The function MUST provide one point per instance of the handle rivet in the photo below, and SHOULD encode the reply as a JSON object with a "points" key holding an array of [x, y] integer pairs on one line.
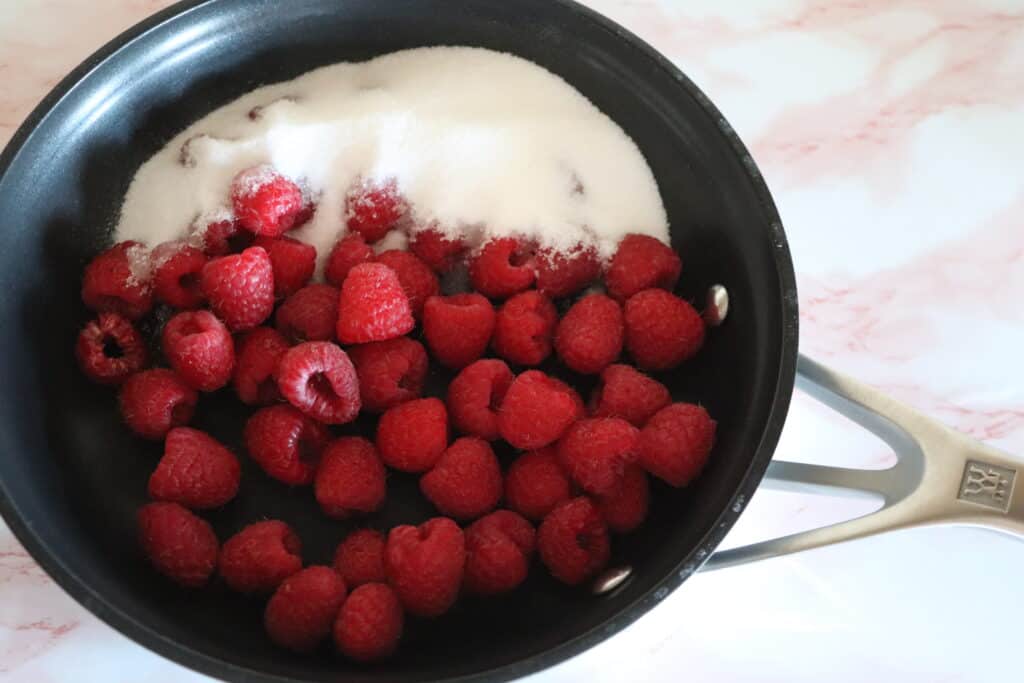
{"points": [[717, 305], [611, 579]]}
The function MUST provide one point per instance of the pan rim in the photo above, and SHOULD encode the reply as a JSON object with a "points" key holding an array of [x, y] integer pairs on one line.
{"points": [[185, 655]]}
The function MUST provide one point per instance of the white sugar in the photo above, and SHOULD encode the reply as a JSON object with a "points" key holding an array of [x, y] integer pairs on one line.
{"points": [[480, 143]]}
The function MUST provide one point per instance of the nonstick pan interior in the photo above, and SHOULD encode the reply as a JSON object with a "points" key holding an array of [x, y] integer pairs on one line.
{"points": [[72, 477]]}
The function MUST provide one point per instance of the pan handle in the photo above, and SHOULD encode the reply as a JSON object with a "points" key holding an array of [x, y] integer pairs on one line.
{"points": [[940, 477]]}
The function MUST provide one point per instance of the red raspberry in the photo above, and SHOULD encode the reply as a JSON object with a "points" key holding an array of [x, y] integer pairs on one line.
{"points": [[347, 253], [412, 436], [596, 451], [200, 349], [301, 613], [109, 349], [503, 267], [285, 443], [524, 328], [424, 565], [498, 551], [373, 208], [256, 357], [240, 288], [436, 250], [310, 314], [676, 442], [196, 471], [350, 478], [223, 237], [260, 556], [390, 372], [535, 483], [180, 545], [626, 510], [560, 274], [577, 401], [458, 328], [475, 395], [373, 306], [110, 285], [318, 378], [176, 282], [573, 541], [589, 337], [370, 623], [628, 393], [662, 330], [266, 203], [418, 281], [640, 263], [536, 411], [466, 481], [293, 263], [360, 558], [155, 401]]}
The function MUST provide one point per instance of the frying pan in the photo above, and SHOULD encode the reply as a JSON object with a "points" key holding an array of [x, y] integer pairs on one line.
{"points": [[71, 476]]}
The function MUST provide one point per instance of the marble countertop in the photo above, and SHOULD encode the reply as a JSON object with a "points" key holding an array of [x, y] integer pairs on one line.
{"points": [[891, 136]]}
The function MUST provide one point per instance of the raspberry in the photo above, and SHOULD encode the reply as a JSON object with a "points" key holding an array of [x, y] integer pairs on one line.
{"points": [[536, 411], [475, 395], [458, 328], [179, 545], [436, 250], [535, 483], [369, 624], [466, 481], [176, 282], [560, 274], [350, 478], [424, 565], [293, 263], [579, 407], [390, 372], [412, 436], [200, 349], [573, 541], [240, 288], [154, 401], [676, 442], [310, 314], [524, 328], [196, 471], [372, 209], [301, 613], [628, 393], [589, 336], [109, 285], [641, 262], [662, 330], [260, 556], [418, 281], [505, 266], [109, 349], [221, 237], [265, 202], [318, 378], [596, 451], [360, 558], [373, 306], [285, 443], [626, 510], [498, 551], [347, 253], [256, 357]]}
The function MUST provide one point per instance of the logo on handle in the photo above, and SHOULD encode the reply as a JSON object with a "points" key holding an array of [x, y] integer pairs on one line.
{"points": [[988, 485]]}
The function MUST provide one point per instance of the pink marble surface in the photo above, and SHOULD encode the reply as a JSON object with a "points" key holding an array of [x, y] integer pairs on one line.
{"points": [[891, 136]]}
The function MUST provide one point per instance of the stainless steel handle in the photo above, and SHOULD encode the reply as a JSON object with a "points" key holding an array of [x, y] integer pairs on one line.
{"points": [[940, 477]]}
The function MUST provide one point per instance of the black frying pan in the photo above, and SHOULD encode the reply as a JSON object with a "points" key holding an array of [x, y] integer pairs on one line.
{"points": [[71, 476]]}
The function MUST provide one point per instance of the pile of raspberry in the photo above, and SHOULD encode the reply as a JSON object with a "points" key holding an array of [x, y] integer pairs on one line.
{"points": [[240, 309]]}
